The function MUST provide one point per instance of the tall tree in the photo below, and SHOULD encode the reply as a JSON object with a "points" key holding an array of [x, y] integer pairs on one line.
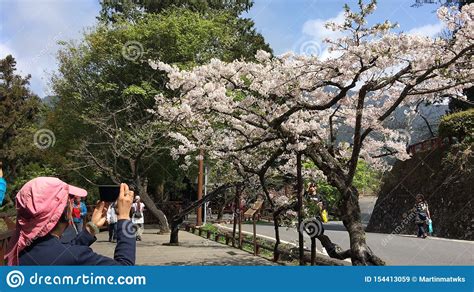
{"points": [[281, 107], [18, 111], [114, 10], [105, 89]]}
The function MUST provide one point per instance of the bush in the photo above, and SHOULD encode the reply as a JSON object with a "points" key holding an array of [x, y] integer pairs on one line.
{"points": [[209, 227], [459, 125]]}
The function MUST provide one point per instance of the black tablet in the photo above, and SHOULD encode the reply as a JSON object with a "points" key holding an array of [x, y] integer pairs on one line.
{"points": [[109, 193]]}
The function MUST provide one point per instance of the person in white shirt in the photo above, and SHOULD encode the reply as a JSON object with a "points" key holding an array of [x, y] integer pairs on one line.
{"points": [[137, 216], [112, 222]]}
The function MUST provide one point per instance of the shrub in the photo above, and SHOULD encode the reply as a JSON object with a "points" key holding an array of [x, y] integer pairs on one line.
{"points": [[459, 125]]}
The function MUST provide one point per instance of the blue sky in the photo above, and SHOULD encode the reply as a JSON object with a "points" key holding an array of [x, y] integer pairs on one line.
{"points": [[30, 29]]}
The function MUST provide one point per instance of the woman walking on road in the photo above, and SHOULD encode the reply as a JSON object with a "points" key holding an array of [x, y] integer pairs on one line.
{"points": [[422, 215]]}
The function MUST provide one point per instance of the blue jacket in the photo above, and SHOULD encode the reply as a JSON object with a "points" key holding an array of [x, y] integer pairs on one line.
{"points": [[3, 189], [49, 251], [83, 208]]}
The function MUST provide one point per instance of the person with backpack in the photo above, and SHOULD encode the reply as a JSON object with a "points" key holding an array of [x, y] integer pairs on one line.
{"points": [[137, 217], [423, 215], [79, 212]]}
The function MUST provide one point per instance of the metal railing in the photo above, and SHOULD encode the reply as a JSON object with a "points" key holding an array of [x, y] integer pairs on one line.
{"points": [[4, 239]]}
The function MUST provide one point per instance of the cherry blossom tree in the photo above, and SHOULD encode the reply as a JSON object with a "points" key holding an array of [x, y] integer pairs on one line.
{"points": [[262, 115]]}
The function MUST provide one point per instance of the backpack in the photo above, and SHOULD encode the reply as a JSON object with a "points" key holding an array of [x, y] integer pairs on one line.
{"points": [[138, 211], [138, 215]]}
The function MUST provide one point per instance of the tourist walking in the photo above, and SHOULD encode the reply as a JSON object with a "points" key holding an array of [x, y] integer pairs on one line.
{"points": [[112, 222], [422, 215], [313, 195], [79, 212], [137, 217]]}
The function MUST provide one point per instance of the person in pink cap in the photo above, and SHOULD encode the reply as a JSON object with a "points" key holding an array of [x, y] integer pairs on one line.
{"points": [[44, 210]]}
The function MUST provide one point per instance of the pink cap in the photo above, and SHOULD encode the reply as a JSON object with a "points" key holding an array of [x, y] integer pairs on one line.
{"points": [[39, 205]]}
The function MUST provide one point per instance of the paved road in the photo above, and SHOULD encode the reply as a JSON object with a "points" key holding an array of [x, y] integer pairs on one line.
{"points": [[367, 205], [394, 249]]}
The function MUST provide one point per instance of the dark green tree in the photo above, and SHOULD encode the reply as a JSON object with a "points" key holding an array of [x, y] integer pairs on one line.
{"points": [[18, 111], [114, 10], [106, 87]]}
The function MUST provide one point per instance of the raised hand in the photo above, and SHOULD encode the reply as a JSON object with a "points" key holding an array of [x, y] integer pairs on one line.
{"points": [[124, 202]]}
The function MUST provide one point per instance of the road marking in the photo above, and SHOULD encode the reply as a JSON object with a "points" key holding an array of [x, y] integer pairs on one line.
{"points": [[435, 238]]}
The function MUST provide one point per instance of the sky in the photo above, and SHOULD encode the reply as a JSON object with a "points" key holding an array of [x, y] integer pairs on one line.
{"points": [[30, 29]]}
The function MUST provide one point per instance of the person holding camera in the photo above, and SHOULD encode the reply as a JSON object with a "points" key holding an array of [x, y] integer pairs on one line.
{"points": [[44, 210]]}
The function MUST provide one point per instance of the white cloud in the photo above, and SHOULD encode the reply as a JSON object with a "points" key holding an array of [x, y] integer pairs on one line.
{"points": [[32, 29], [429, 30], [314, 33], [316, 28]]}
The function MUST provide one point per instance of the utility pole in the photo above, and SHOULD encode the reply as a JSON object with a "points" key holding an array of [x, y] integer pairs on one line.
{"points": [[205, 194], [200, 179]]}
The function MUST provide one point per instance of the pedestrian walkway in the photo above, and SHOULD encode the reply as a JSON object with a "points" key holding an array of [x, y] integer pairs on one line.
{"points": [[192, 251]]}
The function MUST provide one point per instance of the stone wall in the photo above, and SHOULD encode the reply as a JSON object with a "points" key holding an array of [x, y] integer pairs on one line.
{"points": [[445, 177]]}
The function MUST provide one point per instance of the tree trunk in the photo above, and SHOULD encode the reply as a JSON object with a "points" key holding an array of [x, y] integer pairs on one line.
{"points": [[174, 232], [361, 254], [300, 208], [150, 205], [333, 250], [179, 218], [225, 202], [160, 192], [349, 208], [220, 212], [237, 215], [276, 223], [234, 227]]}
